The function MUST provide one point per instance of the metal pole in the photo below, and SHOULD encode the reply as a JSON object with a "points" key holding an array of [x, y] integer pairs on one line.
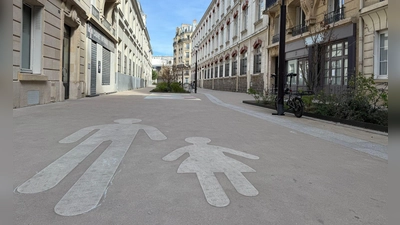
{"points": [[281, 75], [182, 78], [195, 75]]}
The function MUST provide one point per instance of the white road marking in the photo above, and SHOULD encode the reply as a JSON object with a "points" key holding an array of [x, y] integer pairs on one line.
{"points": [[205, 160], [89, 189], [172, 96]]}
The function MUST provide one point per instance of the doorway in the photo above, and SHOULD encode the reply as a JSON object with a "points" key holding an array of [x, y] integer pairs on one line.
{"points": [[66, 60]]}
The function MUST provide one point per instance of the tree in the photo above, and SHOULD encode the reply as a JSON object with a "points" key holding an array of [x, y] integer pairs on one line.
{"points": [[154, 75], [320, 35], [168, 74]]}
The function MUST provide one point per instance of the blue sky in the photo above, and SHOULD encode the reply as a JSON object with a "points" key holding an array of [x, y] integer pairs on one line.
{"points": [[163, 16]]}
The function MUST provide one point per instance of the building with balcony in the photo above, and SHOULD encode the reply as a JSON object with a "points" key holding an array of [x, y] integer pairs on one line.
{"points": [[68, 49], [134, 52], [231, 41], [321, 42], [183, 51], [373, 30]]}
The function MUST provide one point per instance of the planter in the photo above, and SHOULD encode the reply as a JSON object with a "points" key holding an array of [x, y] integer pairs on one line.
{"points": [[329, 118]]}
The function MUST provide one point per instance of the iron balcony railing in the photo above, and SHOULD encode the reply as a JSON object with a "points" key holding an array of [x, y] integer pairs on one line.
{"points": [[275, 38], [299, 29], [106, 24], [334, 16], [95, 13]]}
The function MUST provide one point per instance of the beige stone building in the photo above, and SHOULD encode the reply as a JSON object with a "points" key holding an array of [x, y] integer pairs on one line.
{"points": [[183, 51], [374, 38], [67, 49], [134, 52], [232, 45], [329, 41]]}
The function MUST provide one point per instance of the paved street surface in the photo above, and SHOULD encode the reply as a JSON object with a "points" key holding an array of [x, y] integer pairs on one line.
{"points": [[143, 158]]}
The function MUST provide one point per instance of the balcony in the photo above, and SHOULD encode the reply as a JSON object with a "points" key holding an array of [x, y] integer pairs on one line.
{"points": [[95, 13], [334, 16], [275, 38], [299, 29], [106, 24]]}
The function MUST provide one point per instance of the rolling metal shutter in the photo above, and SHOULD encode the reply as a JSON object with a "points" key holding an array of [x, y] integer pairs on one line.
{"points": [[93, 71], [106, 67]]}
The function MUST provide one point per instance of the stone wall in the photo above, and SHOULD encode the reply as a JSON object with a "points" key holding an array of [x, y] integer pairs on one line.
{"points": [[207, 84], [242, 84], [225, 84], [257, 83]]}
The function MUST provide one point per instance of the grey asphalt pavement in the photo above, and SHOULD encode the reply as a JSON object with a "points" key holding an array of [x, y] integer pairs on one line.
{"points": [[137, 157]]}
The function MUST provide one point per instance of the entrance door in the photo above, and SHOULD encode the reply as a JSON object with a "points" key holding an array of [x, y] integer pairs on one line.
{"points": [[66, 60]]}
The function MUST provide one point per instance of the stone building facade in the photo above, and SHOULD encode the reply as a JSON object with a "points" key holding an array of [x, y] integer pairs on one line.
{"points": [[183, 51], [322, 43], [67, 49], [373, 30], [231, 41], [134, 52]]}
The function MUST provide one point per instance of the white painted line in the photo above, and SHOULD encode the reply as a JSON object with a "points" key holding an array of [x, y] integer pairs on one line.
{"points": [[205, 160]]}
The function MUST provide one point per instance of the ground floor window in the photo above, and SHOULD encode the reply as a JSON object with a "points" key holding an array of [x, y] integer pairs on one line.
{"points": [[243, 65], [234, 68], [227, 69], [221, 70], [336, 64], [257, 61], [216, 71]]}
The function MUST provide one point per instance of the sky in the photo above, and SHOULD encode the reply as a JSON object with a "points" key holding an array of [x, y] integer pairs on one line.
{"points": [[164, 16]]}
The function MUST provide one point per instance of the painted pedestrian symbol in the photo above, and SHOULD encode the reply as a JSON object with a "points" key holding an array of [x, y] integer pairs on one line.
{"points": [[205, 160], [87, 192]]}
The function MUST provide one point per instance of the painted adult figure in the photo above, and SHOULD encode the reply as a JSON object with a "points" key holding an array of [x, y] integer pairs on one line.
{"points": [[205, 160], [89, 189]]}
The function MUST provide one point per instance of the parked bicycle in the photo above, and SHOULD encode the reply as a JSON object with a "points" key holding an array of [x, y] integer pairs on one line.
{"points": [[293, 100]]}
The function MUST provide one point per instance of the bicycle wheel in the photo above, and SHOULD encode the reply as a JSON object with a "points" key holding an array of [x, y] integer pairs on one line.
{"points": [[298, 107]]}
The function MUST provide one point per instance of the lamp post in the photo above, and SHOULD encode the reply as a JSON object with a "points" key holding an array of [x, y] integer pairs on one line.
{"points": [[281, 65], [195, 70]]}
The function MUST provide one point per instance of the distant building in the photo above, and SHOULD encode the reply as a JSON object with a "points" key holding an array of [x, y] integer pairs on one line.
{"points": [[232, 46], [159, 61], [183, 50]]}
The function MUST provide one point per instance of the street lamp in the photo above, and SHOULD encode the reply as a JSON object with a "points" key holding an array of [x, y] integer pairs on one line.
{"points": [[195, 70]]}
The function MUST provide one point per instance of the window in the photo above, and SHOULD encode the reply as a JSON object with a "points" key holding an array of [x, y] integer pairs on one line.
{"points": [[245, 18], [119, 61], [381, 56], [260, 9], [302, 73], [211, 73], [227, 68], [336, 64], [234, 67], [187, 46], [130, 67], [216, 70], [187, 54], [125, 63], [257, 61], [228, 31], [292, 68], [221, 70], [335, 11], [243, 64], [235, 27], [222, 37], [31, 39]]}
